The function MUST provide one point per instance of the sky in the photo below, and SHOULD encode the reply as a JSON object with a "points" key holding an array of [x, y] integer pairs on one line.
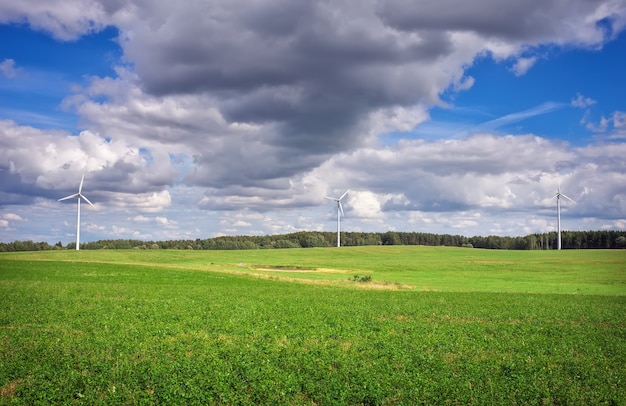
{"points": [[211, 117]]}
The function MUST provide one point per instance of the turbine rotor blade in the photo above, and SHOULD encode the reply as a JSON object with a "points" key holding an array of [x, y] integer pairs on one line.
{"points": [[330, 198], [68, 197], [80, 188], [568, 198], [87, 200], [340, 207], [344, 195]]}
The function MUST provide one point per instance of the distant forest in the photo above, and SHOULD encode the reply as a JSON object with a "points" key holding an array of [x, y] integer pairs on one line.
{"points": [[306, 239]]}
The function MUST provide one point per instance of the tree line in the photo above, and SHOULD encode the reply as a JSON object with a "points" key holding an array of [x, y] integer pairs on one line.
{"points": [[306, 239]]}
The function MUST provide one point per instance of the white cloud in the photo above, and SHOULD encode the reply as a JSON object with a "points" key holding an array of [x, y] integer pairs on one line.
{"points": [[128, 233], [523, 65], [161, 220], [141, 219], [365, 204], [600, 127], [8, 69], [50, 163], [12, 217], [151, 202], [164, 221], [62, 19], [481, 173], [614, 125], [465, 83], [478, 185], [241, 224], [582, 102], [619, 120]]}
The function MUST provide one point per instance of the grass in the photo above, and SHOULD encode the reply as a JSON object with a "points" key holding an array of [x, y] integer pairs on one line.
{"points": [[452, 326], [444, 269]]}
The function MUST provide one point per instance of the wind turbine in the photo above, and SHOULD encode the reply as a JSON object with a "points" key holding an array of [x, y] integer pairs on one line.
{"points": [[558, 214], [78, 195], [339, 214]]}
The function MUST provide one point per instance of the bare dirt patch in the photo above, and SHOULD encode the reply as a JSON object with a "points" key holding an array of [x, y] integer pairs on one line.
{"points": [[274, 273], [487, 262], [283, 269], [8, 390]]}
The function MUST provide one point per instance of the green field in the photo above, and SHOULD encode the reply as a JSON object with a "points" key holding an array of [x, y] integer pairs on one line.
{"points": [[432, 325]]}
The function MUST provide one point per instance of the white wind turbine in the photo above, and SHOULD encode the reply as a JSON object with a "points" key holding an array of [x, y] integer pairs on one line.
{"points": [[78, 195], [558, 214], [339, 214]]}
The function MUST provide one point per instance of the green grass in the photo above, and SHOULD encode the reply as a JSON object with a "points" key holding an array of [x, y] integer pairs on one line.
{"points": [[435, 326], [444, 269]]}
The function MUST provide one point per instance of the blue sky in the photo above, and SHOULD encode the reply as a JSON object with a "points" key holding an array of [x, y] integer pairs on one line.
{"points": [[47, 69], [538, 102], [196, 121]]}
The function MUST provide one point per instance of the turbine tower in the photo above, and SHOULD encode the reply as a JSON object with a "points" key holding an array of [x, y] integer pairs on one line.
{"points": [[339, 214], [78, 195], [558, 214]]}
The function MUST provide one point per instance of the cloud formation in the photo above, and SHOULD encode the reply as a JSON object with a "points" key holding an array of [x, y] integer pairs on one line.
{"points": [[260, 106], [8, 69], [581, 101]]}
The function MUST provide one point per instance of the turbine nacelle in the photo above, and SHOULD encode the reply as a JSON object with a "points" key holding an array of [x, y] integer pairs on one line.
{"points": [[560, 195], [79, 194], [338, 200]]}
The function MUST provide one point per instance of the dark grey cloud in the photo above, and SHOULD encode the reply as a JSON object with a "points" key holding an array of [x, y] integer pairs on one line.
{"points": [[518, 21], [315, 68], [314, 71], [13, 190]]}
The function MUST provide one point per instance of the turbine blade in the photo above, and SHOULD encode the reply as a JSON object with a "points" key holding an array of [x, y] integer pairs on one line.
{"points": [[87, 200], [68, 197], [330, 198], [340, 207], [344, 195], [571, 200], [80, 188]]}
